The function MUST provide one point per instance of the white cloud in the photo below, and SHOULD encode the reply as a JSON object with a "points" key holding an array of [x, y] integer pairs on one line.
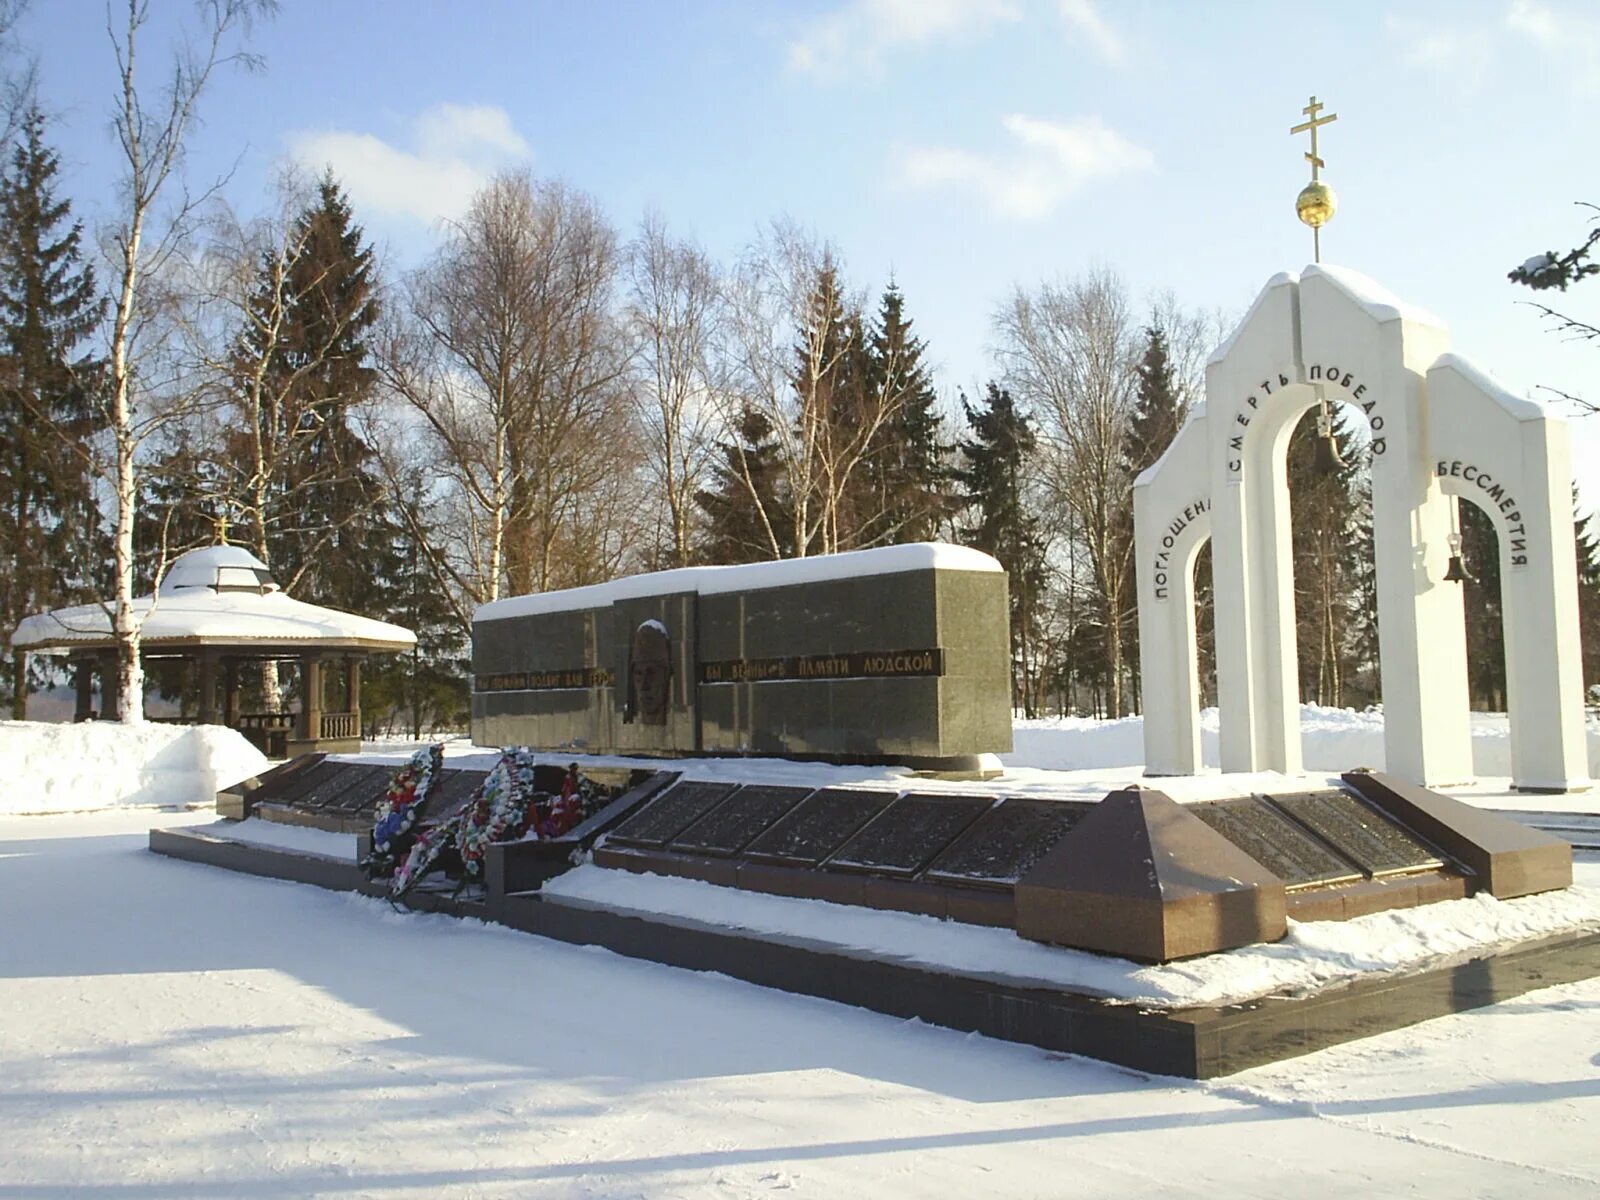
{"points": [[1464, 53], [1081, 16], [1570, 39], [455, 149], [861, 32], [1049, 161], [1536, 21], [1566, 38]]}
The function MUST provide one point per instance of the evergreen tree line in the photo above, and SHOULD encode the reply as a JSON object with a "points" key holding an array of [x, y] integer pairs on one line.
{"points": [[544, 403]]}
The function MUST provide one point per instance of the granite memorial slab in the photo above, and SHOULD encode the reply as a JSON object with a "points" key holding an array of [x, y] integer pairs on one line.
{"points": [[1144, 878], [1006, 840], [1362, 834], [671, 812], [302, 783], [1281, 845], [818, 826], [454, 789], [907, 835], [1507, 859], [742, 817]]}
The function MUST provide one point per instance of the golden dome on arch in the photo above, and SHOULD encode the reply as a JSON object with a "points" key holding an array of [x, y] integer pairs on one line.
{"points": [[1316, 203]]}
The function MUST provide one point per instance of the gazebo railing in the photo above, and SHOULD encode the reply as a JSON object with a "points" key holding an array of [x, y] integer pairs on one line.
{"points": [[336, 725], [266, 722]]}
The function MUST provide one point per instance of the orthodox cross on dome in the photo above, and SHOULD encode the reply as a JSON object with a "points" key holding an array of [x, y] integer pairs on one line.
{"points": [[1311, 110], [1316, 203]]}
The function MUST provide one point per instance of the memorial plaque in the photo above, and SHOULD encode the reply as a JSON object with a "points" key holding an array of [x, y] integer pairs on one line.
{"points": [[303, 782], [743, 816], [452, 791], [906, 836], [670, 813], [1004, 842], [362, 790], [331, 786], [1277, 843], [818, 826], [1360, 832]]}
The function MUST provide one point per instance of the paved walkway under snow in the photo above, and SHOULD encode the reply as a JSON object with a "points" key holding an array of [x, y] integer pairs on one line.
{"points": [[171, 1030]]}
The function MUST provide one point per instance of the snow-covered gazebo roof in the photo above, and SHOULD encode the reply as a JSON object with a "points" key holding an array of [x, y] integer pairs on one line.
{"points": [[222, 596]]}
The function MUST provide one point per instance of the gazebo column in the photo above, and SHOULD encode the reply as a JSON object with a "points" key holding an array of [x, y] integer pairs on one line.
{"points": [[83, 685], [208, 687], [352, 689], [230, 692], [310, 698], [109, 708]]}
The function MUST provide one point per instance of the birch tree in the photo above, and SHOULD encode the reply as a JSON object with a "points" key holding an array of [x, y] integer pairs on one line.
{"points": [[800, 352], [1069, 353], [513, 361], [674, 314], [152, 127]]}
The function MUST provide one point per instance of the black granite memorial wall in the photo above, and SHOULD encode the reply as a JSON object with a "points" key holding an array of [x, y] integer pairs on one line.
{"points": [[893, 655]]}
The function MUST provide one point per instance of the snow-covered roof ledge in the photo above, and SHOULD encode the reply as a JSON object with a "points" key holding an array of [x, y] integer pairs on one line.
{"points": [[1380, 303], [748, 577], [1523, 408], [218, 596]]}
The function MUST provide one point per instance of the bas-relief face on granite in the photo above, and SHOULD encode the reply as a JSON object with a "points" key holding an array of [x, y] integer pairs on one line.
{"points": [[649, 674], [964, 711]]}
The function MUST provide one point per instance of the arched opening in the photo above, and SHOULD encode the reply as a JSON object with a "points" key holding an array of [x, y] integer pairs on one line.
{"points": [[1205, 626], [1335, 580], [1485, 609]]}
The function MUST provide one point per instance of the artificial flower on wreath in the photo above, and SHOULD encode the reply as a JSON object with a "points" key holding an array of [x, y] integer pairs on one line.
{"points": [[505, 809], [424, 855], [402, 806]]}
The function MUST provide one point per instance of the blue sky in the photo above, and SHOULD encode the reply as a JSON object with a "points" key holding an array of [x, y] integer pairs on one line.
{"points": [[966, 146]]}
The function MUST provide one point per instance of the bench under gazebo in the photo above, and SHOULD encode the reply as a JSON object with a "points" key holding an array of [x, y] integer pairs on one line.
{"points": [[219, 609]]}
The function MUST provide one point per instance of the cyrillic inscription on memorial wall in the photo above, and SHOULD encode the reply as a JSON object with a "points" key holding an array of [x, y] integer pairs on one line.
{"points": [[1496, 499], [1169, 542], [860, 664], [543, 681], [1330, 375]]}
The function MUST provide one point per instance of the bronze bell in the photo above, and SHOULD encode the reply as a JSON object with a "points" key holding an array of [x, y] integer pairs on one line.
{"points": [[1456, 572], [1326, 460]]}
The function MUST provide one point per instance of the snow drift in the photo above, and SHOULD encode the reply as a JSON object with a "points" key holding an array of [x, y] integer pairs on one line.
{"points": [[104, 764]]}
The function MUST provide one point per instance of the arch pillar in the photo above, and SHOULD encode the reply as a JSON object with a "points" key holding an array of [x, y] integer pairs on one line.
{"points": [[1513, 459], [1172, 521], [1382, 352]]}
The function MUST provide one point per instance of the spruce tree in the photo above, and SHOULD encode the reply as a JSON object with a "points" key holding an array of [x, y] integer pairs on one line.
{"points": [[1158, 412], [425, 689], [1157, 415], [994, 467], [301, 369], [747, 513], [1483, 608], [52, 544], [905, 483], [1588, 550]]}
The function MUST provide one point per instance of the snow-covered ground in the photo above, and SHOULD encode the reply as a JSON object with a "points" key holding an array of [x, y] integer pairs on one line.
{"points": [[168, 1029], [171, 1030]]}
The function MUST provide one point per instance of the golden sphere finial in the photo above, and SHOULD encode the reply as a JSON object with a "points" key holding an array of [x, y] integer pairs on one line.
{"points": [[1316, 204]]}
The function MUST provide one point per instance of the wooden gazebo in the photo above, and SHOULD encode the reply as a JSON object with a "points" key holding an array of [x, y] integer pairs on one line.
{"points": [[219, 608]]}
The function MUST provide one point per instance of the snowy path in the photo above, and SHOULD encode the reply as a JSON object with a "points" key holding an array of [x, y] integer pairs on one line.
{"points": [[171, 1030]]}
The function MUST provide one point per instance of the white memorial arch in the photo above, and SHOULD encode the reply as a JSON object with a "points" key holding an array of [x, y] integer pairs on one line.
{"points": [[1441, 430]]}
